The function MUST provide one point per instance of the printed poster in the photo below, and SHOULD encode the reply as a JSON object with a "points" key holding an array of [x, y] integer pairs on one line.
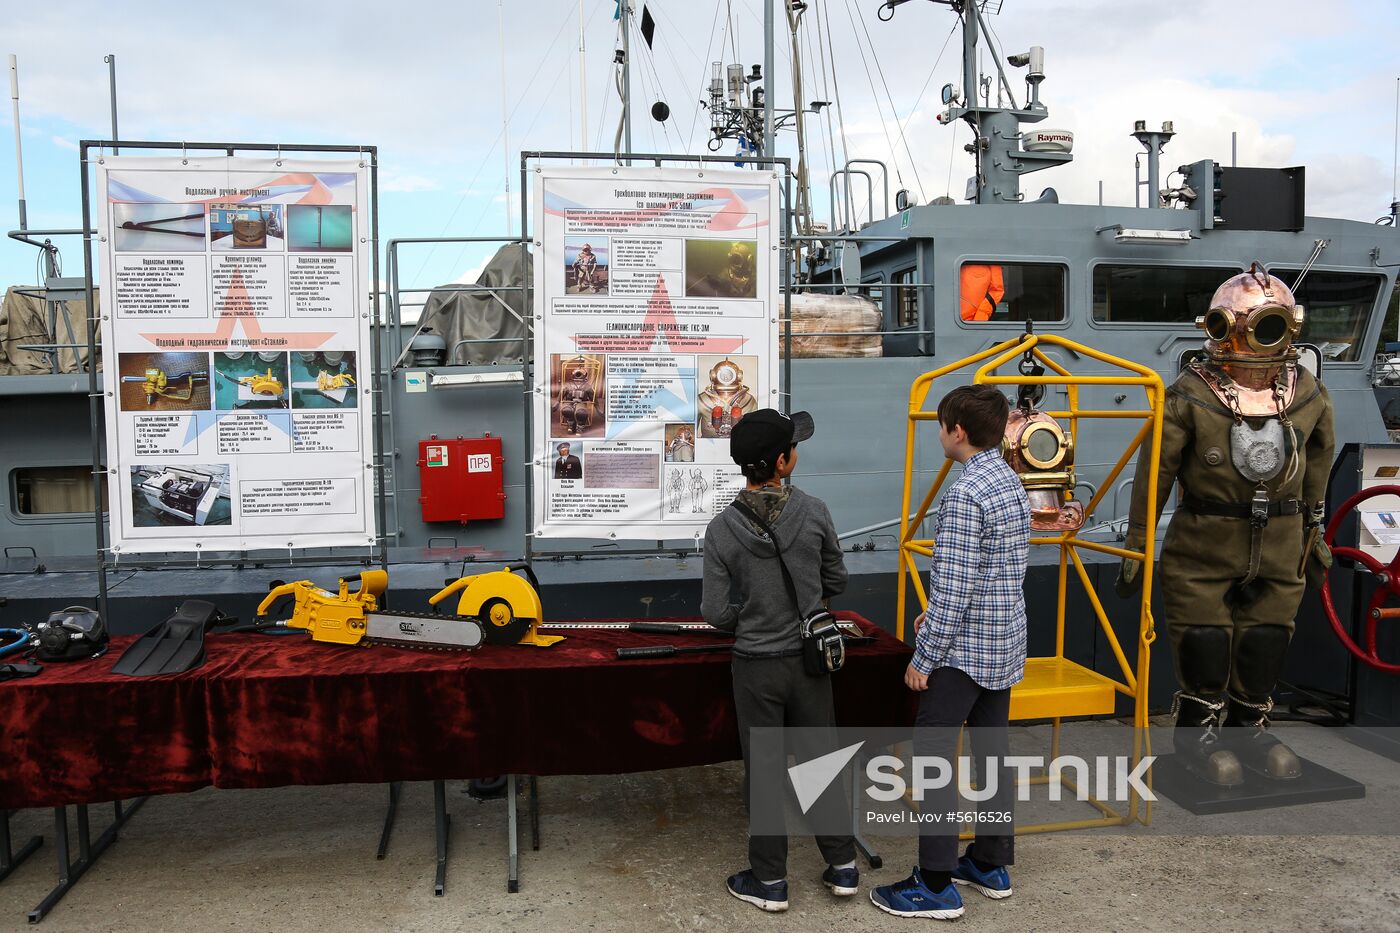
{"points": [[656, 297], [236, 348]]}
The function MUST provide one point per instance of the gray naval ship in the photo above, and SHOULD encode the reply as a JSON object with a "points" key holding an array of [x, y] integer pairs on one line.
{"points": [[1129, 281]]}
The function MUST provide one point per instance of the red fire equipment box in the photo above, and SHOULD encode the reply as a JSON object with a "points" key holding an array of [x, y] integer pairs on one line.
{"points": [[461, 480]]}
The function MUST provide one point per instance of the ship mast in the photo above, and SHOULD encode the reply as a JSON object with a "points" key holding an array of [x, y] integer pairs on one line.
{"points": [[998, 145]]}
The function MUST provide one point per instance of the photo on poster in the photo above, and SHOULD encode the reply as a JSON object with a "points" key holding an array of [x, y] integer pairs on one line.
{"points": [[248, 380], [721, 269], [158, 227], [324, 379], [578, 395], [687, 490], [585, 265], [180, 495], [246, 226], [163, 381], [726, 392], [567, 462], [320, 228], [680, 443]]}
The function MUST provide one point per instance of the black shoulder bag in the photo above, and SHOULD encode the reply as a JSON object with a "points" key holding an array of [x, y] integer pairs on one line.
{"points": [[823, 647]]}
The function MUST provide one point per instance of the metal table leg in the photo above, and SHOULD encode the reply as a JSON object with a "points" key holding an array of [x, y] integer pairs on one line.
{"points": [[395, 788], [9, 859], [534, 813], [88, 850], [862, 845], [512, 838], [441, 824]]}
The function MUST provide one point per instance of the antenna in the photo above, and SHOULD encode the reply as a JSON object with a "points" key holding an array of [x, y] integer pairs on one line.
{"points": [[19, 148], [1394, 152]]}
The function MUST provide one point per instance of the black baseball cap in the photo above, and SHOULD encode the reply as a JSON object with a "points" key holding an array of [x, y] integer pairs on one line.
{"points": [[763, 434]]}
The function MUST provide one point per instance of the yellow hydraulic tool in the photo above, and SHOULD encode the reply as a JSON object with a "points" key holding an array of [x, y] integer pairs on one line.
{"points": [[326, 382], [159, 384], [507, 606], [263, 383], [354, 617], [334, 617]]}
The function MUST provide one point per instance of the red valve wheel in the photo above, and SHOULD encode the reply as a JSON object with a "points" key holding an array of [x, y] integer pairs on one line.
{"points": [[1387, 584]]}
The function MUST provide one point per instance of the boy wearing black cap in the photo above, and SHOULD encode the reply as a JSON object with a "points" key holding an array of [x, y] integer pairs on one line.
{"points": [[744, 593]]}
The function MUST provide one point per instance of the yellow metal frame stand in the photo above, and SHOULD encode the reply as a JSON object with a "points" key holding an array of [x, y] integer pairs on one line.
{"points": [[1056, 687]]}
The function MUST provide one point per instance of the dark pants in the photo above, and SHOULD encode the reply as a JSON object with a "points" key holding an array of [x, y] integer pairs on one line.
{"points": [[953, 698], [778, 692]]}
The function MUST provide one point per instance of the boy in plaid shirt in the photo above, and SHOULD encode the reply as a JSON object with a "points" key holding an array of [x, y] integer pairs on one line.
{"points": [[970, 648]]}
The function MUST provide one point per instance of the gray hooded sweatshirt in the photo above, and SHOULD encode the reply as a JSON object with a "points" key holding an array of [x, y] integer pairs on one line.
{"points": [[743, 589]]}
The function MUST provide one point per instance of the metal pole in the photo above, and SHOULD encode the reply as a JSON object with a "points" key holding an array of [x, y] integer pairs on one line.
{"points": [[582, 85], [94, 390], [111, 61], [19, 148], [1154, 172], [381, 375], [1100, 192], [1234, 147], [768, 142], [625, 10], [505, 114], [526, 336]]}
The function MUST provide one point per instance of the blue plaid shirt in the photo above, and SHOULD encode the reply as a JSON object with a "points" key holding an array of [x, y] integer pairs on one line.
{"points": [[976, 618]]}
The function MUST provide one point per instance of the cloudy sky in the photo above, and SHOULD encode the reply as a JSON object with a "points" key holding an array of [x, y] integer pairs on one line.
{"points": [[1299, 81]]}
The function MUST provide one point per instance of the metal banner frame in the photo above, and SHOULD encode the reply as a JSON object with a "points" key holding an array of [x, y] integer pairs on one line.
{"points": [[369, 156]]}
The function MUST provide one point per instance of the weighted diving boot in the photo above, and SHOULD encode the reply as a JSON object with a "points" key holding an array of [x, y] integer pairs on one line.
{"points": [[1258, 661], [1197, 740], [1247, 733]]}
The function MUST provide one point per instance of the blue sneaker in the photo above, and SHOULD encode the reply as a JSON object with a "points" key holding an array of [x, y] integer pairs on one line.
{"points": [[912, 898], [842, 881], [769, 897], [995, 884]]}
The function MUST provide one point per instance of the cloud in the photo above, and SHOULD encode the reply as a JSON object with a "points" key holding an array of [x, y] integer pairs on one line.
{"points": [[64, 143]]}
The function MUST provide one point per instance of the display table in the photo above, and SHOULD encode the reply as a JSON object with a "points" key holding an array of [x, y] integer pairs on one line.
{"points": [[270, 711]]}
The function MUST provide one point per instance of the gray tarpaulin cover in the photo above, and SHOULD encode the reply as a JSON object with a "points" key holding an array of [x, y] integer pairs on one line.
{"points": [[24, 322], [493, 311]]}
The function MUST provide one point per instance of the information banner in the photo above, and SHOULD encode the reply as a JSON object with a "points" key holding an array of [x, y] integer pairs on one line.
{"points": [[656, 304], [236, 353]]}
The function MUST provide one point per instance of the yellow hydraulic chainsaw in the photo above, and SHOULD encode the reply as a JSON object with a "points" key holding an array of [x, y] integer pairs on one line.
{"points": [[507, 608], [258, 383], [159, 384]]}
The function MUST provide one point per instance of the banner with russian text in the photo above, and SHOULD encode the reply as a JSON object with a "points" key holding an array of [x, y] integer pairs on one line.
{"points": [[656, 297], [236, 353]]}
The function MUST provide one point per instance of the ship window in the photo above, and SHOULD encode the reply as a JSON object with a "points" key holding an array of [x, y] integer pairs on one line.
{"points": [[1338, 306], [54, 490], [1154, 294], [906, 298], [999, 293]]}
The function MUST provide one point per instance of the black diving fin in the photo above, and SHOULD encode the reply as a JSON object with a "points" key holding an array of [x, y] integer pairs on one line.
{"points": [[174, 646]]}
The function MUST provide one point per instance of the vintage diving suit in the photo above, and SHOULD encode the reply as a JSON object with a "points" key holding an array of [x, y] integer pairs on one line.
{"points": [[576, 402], [725, 400], [1248, 434]]}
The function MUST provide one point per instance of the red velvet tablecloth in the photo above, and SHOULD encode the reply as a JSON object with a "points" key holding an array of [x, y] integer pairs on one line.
{"points": [[267, 711]]}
